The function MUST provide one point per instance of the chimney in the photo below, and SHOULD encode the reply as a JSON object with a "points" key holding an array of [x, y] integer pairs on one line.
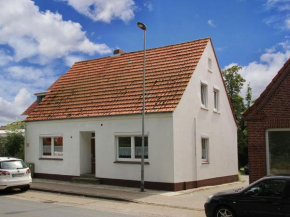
{"points": [[118, 52]]}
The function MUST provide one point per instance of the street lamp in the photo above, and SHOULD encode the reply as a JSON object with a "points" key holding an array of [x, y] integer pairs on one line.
{"points": [[144, 28]]}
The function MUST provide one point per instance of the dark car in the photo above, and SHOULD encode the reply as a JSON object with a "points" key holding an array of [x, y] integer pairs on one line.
{"points": [[267, 197], [246, 169]]}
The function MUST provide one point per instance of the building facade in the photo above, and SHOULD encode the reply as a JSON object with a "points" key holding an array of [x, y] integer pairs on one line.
{"points": [[268, 121], [90, 121]]}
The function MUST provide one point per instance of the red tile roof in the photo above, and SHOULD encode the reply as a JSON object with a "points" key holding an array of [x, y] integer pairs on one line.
{"points": [[34, 104], [113, 85]]}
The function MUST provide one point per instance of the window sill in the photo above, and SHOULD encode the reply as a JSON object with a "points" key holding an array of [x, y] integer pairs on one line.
{"points": [[204, 108], [209, 70], [205, 162], [217, 112], [44, 158], [130, 162]]}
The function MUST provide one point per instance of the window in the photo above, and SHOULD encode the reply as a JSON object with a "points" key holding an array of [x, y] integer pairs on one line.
{"points": [[203, 95], [204, 150], [130, 147], [269, 188], [52, 146], [278, 147], [216, 99], [209, 63]]}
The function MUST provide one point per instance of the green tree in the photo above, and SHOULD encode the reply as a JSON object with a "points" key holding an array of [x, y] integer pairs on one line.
{"points": [[234, 83], [249, 96], [14, 141]]}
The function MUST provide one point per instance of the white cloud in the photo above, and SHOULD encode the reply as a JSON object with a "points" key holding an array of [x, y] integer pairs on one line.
{"points": [[44, 35], [11, 110], [260, 73], [4, 58], [148, 5], [210, 22], [105, 10], [71, 59], [25, 73], [281, 20]]}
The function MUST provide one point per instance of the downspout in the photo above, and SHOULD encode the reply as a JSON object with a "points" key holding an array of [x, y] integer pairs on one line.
{"points": [[195, 152], [25, 141]]}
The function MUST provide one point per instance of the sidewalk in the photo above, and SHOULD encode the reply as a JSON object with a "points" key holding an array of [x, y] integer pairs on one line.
{"points": [[192, 199]]}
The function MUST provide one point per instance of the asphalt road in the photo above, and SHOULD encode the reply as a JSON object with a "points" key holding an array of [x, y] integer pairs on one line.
{"points": [[16, 207], [43, 204]]}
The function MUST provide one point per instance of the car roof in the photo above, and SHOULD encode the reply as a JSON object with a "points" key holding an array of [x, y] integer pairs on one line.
{"points": [[8, 159], [276, 177]]}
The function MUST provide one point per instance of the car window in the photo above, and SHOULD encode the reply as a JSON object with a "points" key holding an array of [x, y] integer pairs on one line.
{"points": [[269, 188], [10, 165]]}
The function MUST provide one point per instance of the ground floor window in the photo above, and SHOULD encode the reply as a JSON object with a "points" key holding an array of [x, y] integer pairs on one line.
{"points": [[130, 147], [278, 151], [204, 149], [52, 146]]}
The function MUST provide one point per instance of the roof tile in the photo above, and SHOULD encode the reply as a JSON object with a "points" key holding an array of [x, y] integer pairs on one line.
{"points": [[113, 85]]}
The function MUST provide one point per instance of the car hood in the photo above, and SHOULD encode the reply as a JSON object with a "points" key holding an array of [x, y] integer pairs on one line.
{"points": [[228, 192]]}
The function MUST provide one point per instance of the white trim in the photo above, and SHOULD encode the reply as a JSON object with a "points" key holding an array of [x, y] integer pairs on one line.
{"points": [[133, 159], [216, 88], [52, 136], [137, 133], [216, 99], [209, 64], [204, 136], [204, 82], [206, 139], [267, 153], [204, 95]]}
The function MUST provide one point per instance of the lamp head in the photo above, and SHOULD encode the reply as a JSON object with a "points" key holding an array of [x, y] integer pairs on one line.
{"points": [[142, 26]]}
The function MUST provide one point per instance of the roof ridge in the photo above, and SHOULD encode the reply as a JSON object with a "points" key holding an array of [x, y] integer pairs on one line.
{"points": [[261, 98], [146, 50]]}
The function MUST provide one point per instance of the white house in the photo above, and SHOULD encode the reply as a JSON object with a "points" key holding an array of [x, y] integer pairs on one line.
{"points": [[90, 120]]}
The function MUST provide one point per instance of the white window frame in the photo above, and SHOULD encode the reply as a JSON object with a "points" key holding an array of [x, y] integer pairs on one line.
{"points": [[206, 139], [209, 64], [204, 95], [133, 159], [52, 146], [216, 98], [267, 145]]}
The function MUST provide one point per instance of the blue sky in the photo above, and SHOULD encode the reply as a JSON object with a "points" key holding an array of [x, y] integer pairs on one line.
{"points": [[40, 40]]}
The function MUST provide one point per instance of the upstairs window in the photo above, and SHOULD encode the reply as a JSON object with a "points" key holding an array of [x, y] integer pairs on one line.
{"points": [[209, 65], [216, 99], [203, 92]]}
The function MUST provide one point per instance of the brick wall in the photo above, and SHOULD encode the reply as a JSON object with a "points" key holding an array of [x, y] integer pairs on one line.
{"points": [[271, 110]]}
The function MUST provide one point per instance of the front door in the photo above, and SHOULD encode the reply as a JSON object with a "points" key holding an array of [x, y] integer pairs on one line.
{"points": [[93, 156]]}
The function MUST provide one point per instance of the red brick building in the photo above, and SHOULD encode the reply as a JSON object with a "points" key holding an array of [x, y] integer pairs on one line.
{"points": [[269, 128]]}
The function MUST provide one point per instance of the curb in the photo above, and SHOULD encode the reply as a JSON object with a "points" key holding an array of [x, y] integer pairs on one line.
{"points": [[83, 195], [113, 199]]}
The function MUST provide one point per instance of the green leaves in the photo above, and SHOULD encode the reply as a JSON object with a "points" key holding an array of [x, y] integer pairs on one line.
{"points": [[234, 83], [14, 142]]}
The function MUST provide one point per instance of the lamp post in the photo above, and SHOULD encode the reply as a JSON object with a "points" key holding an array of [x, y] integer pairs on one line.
{"points": [[144, 28]]}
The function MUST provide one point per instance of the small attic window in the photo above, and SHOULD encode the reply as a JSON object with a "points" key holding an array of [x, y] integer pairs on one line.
{"points": [[209, 64], [40, 96], [39, 99]]}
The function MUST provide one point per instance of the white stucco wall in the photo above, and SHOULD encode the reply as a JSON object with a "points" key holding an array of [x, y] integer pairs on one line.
{"points": [[158, 126], [220, 128]]}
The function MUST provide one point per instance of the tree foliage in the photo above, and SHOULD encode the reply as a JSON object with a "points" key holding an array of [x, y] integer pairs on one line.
{"points": [[249, 96], [234, 83], [13, 143]]}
